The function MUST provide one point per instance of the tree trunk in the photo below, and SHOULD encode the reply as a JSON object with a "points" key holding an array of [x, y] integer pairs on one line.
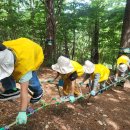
{"points": [[125, 36], [94, 46], [50, 33], [66, 44], [32, 19], [73, 50]]}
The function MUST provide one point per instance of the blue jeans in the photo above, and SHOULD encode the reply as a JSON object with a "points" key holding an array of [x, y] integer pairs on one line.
{"points": [[95, 81], [8, 83], [34, 84]]}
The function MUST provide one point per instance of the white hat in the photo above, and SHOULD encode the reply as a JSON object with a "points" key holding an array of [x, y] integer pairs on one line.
{"points": [[122, 67], [6, 63], [89, 67], [63, 65]]}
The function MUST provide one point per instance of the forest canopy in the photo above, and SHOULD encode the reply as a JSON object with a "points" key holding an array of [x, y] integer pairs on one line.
{"points": [[79, 28]]}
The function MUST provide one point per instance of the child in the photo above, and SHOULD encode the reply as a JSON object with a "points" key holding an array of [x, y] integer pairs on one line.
{"points": [[122, 66], [69, 70], [19, 60], [98, 73]]}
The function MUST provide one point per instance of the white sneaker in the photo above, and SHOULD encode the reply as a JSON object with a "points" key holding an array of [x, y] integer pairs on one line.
{"points": [[64, 98]]}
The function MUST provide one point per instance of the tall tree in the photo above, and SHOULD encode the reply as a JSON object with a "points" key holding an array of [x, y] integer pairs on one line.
{"points": [[50, 32], [96, 9], [94, 46], [125, 37], [76, 25]]}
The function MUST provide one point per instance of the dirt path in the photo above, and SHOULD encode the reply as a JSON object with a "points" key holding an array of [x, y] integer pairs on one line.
{"points": [[108, 111]]}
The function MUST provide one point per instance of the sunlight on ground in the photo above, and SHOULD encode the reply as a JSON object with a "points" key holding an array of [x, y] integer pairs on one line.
{"points": [[112, 123], [99, 109], [122, 98], [61, 124], [113, 99], [97, 97], [116, 109], [110, 95], [127, 122], [70, 106], [118, 91], [127, 85]]}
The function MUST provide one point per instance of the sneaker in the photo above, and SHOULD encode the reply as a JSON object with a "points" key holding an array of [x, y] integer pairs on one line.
{"points": [[36, 97], [79, 96], [100, 91], [65, 98], [10, 94]]}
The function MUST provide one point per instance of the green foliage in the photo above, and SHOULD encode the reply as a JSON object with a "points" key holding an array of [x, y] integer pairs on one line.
{"points": [[74, 25], [20, 19]]}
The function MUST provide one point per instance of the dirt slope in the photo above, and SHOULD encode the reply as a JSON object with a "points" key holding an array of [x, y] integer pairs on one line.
{"points": [[108, 111]]}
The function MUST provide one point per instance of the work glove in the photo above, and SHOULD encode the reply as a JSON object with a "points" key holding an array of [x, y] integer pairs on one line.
{"points": [[128, 73], [93, 93], [115, 79], [81, 83], [72, 98], [50, 80], [21, 118]]}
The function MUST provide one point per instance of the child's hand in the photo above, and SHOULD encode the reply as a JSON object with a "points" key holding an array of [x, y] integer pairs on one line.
{"points": [[93, 92], [50, 80], [81, 83], [21, 118], [116, 79], [72, 98]]}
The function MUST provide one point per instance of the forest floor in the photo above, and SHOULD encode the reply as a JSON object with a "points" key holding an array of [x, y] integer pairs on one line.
{"points": [[107, 111]]}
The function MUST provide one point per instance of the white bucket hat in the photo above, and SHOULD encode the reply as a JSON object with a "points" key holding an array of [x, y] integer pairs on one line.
{"points": [[6, 63], [63, 65], [89, 67], [122, 67]]}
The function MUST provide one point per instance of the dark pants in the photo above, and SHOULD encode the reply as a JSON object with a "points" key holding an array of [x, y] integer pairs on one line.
{"points": [[34, 84]]}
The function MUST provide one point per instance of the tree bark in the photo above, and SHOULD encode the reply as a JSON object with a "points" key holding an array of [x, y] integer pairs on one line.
{"points": [[50, 33], [74, 43], [66, 44], [125, 36], [94, 46]]}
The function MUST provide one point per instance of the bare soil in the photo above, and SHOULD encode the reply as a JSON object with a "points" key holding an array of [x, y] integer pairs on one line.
{"points": [[107, 111]]}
